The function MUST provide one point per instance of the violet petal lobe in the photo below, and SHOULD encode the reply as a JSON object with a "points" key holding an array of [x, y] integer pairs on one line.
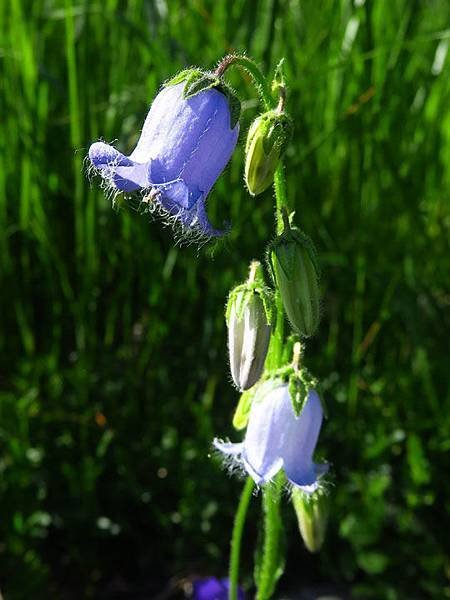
{"points": [[212, 588], [262, 449], [300, 439]]}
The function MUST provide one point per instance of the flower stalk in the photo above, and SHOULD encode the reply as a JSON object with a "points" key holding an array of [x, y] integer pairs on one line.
{"points": [[271, 495], [260, 411], [271, 562], [253, 70], [236, 537]]}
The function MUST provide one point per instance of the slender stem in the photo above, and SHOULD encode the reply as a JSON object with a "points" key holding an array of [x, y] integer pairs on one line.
{"points": [[254, 266], [271, 495], [252, 68], [279, 183], [270, 564], [236, 537], [276, 343], [297, 356]]}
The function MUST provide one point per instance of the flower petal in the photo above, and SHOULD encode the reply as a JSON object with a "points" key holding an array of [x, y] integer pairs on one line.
{"points": [[174, 129], [118, 169], [227, 447], [262, 450], [104, 155], [300, 440], [129, 179]]}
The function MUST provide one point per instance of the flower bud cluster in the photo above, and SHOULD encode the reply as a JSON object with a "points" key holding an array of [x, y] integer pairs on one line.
{"points": [[280, 406]]}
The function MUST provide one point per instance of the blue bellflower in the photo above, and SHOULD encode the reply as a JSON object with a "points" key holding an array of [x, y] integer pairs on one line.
{"points": [[184, 146], [277, 439], [213, 589]]}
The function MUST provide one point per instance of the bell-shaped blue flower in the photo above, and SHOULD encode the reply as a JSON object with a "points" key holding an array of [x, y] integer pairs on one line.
{"points": [[277, 439], [184, 146]]}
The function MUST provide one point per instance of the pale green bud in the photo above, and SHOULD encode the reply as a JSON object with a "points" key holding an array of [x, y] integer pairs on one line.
{"points": [[267, 139], [296, 272], [312, 515], [249, 316]]}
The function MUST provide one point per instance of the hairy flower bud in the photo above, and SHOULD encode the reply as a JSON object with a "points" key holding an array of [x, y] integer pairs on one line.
{"points": [[249, 316], [267, 139], [312, 516], [296, 272]]}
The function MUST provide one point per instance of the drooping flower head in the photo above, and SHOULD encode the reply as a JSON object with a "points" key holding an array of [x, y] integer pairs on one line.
{"points": [[187, 139], [276, 438]]}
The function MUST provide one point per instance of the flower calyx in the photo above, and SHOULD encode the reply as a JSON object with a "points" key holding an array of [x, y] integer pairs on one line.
{"points": [[299, 379], [249, 316], [197, 81], [242, 294]]}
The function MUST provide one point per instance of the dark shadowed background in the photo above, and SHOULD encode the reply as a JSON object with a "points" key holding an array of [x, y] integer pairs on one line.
{"points": [[113, 373]]}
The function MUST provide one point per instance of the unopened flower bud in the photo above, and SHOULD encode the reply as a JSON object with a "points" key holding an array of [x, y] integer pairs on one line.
{"points": [[267, 139], [249, 316], [312, 516], [296, 272]]}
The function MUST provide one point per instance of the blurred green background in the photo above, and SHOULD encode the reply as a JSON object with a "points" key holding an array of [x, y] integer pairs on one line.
{"points": [[114, 376]]}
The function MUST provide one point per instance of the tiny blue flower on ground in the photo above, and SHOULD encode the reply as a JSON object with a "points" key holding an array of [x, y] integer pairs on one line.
{"points": [[213, 589], [184, 146], [277, 439]]}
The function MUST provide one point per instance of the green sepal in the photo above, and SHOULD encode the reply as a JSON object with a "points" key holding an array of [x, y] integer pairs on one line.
{"points": [[298, 394], [278, 76], [242, 294], [242, 412], [279, 134], [198, 81], [195, 84], [184, 76], [300, 384], [281, 375]]}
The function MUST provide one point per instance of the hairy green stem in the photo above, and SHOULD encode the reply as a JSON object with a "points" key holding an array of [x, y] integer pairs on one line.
{"points": [[281, 203], [279, 183], [254, 71], [236, 537], [271, 565]]}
